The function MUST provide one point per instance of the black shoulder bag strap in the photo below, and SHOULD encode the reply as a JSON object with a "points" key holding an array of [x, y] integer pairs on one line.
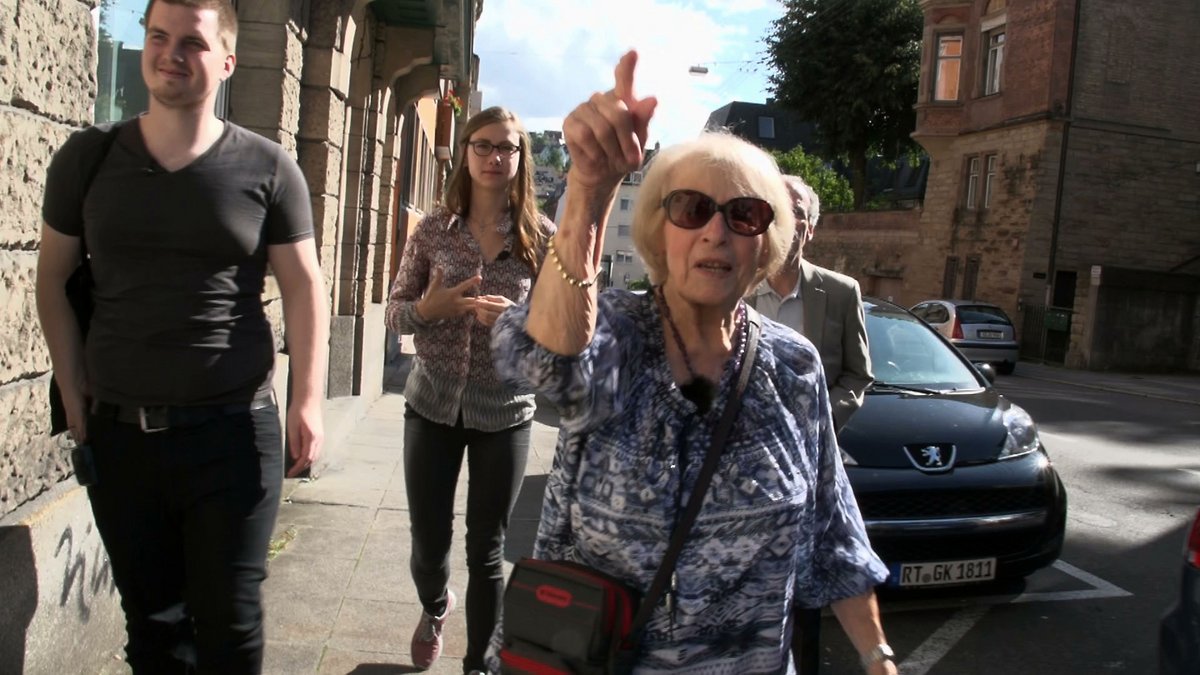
{"points": [[78, 287], [715, 449], [106, 144]]}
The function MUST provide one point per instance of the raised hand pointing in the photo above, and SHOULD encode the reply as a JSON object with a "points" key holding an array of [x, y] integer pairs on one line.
{"points": [[606, 134]]}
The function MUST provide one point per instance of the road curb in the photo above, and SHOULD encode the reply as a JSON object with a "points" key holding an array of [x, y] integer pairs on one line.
{"points": [[1117, 390]]}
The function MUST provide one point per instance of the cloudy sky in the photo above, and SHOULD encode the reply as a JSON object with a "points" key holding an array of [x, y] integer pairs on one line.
{"points": [[541, 58]]}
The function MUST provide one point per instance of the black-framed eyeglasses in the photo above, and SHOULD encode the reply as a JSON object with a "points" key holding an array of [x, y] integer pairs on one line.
{"points": [[486, 148], [691, 210]]}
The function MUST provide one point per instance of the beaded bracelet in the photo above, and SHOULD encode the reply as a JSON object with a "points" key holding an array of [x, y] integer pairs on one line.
{"points": [[578, 283]]}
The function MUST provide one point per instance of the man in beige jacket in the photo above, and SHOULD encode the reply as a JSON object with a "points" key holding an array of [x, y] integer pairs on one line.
{"points": [[824, 306]]}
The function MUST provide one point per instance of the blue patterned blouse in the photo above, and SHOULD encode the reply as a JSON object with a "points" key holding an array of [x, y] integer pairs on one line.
{"points": [[779, 516]]}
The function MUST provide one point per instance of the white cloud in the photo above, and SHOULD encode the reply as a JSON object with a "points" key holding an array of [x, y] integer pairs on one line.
{"points": [[541, 58]]}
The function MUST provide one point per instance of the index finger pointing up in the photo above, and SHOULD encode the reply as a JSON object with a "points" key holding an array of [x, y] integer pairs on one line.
{"points": [[623, 74]]}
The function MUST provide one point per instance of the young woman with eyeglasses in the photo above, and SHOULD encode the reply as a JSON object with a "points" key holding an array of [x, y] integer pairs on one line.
{"points": [[465, 263], [641, 382]]}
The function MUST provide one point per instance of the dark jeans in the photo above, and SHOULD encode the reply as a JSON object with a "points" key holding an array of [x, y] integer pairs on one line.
{"points": [[806, 640], [186, 517], [433, 455]]}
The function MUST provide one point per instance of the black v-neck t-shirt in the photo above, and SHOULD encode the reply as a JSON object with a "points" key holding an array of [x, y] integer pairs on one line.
{"points": [[179, 260]]}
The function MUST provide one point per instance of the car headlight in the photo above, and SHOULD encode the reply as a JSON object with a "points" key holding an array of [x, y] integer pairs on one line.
{"points": [[1022, 437]]}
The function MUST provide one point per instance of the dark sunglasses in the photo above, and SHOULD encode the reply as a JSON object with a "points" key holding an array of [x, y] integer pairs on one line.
{"points": [[691, 210]]}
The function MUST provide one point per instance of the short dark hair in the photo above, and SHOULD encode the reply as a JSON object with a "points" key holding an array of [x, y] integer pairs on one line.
{"points": [[227, 21]]}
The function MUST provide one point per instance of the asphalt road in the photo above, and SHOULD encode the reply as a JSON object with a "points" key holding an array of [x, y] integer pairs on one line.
{"points": [[1132, 470]]}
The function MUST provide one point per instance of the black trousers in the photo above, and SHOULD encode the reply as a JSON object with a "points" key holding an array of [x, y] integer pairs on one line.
{"points": [[806, 640], [433, 455], [186, 517]]}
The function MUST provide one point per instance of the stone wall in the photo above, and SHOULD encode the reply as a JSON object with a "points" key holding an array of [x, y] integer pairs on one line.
{"points": [[1010, 237], [55, 580], [39, 108], [1131, 193], [875, 247]]}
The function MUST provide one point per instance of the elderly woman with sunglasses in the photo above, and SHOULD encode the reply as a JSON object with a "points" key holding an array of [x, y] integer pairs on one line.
{"points": [[640, 381]]}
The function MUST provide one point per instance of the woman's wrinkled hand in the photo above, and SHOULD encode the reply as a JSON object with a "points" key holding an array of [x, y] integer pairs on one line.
{"points": [[606, 134]]}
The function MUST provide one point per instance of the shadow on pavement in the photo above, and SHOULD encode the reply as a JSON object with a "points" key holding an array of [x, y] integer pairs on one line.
{"points": [[19, 588], [383, 669]]}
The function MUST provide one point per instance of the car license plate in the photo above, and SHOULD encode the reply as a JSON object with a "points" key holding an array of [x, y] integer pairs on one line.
{"points": [[990, 334], [940, 573]]}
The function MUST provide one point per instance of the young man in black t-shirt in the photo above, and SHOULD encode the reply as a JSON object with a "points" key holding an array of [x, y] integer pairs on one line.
{"points": [[173, 389]]}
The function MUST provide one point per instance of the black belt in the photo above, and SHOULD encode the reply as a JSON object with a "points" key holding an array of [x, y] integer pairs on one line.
{"points": [[152, 418]]}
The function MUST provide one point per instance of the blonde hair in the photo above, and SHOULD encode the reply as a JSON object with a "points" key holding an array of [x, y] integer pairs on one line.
{"points": [[747, 168], [529, 238]]}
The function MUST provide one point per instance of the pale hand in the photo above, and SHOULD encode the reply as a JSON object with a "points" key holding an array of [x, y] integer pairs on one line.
{"points": [[488, 308], [606, 134], [75, 407], [447, 303], [305, 434]]}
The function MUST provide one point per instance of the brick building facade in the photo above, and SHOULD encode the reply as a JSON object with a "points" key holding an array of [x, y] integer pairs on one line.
{"points": [[1064, 141], [354, 89]]}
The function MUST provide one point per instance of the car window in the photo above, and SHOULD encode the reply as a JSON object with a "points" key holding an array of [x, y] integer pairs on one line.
{"points": [[983, 314], [906, 352], [934, 312]]}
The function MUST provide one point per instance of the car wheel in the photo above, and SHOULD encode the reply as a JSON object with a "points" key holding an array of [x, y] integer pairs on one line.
{"points": [[1006, 368]]}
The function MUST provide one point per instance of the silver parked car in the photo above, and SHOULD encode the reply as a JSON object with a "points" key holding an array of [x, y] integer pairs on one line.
{"points": [[980, 330]]}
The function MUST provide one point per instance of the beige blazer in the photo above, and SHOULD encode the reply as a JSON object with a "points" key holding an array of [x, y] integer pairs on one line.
{"points": [[836, 325]]}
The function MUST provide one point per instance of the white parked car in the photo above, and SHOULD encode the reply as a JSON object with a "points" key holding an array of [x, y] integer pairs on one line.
{"points": [[980, 330]]}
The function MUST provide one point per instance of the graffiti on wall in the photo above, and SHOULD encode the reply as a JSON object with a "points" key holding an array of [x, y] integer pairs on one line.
{"points": [[85, 570]]}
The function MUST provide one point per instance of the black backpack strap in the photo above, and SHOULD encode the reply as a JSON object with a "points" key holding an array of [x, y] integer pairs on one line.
{"points": [[106, 142], [79, 285]]}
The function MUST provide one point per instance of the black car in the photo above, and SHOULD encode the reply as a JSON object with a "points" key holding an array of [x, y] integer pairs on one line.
{"points": [[1179, 634], [952, 479]]}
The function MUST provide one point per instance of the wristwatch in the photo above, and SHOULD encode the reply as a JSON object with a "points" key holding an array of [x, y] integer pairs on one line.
{"points": [[881, 652]]}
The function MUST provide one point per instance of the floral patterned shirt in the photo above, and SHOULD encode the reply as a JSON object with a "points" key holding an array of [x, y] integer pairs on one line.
{"points": [[453, 369], [779, 526]]}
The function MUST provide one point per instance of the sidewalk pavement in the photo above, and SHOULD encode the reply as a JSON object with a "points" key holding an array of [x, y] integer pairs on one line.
{"points": [[339, 598], [1182, 388]]}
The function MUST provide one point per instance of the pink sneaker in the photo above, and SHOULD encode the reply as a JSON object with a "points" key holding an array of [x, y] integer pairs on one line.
{"points": [[427, 639]]}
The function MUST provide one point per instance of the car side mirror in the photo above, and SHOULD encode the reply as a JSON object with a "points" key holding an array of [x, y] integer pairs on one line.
{"points": [[988, 372]]}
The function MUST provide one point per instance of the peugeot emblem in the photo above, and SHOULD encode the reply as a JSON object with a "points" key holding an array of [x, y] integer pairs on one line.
{"points": [[932, 458]]}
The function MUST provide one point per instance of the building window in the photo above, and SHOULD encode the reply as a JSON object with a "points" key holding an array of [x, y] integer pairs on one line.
{"points": [[972, 181], [766, 127], [949, 60], [624, 204], [989, 180], [121, 91], [993, 75], [970, 277], [624, 256], [622, 230], [950, 277]]}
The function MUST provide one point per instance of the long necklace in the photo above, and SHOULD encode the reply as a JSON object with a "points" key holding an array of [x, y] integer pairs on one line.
{"points": [[700, 390]]}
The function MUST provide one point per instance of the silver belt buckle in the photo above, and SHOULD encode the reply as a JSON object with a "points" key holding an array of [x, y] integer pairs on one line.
{"points": [[146, 428]]}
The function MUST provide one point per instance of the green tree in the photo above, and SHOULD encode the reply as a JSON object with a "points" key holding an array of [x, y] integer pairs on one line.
{"points": [[852, 67], [831, 186], [642, 284], [537, 142], [553, 156]]}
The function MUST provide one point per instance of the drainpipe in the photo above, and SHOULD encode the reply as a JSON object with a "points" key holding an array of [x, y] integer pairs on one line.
{"points": [[1062, 162]]}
